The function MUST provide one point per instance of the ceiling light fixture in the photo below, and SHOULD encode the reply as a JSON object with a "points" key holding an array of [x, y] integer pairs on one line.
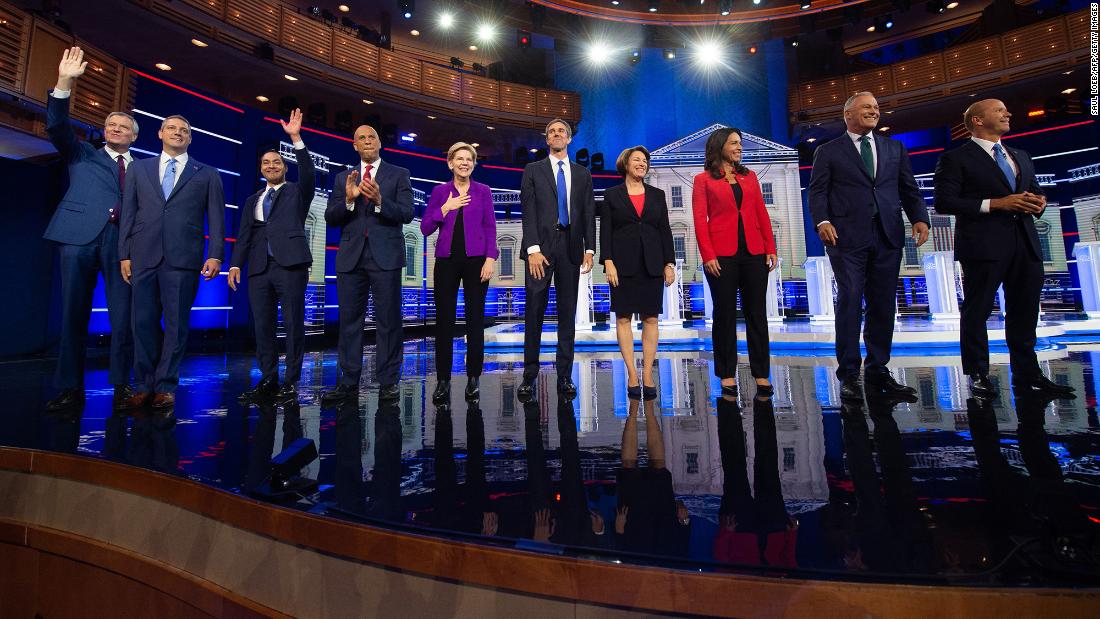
{"points": [[198, 43], [262, 99], [291, 78], [163, 67]]}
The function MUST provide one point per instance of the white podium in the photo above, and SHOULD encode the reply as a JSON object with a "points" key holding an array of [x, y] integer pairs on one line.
{"points": [[939, 280], [708, 299], [584, 301], [673, 314], [775, 294], [820, 287], [1088, 271]]}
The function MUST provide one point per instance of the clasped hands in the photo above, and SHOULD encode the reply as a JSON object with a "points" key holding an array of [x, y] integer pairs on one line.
{"points": [[1026, 202], [353, 188]]}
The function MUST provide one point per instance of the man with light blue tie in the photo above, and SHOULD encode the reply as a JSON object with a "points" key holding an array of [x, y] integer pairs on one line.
{"points": [[559, 240], [992, 192], [160, 247]]}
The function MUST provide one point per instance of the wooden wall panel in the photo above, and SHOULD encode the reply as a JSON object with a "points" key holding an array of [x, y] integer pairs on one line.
{"points": [[398, 71], [306, 36], [879, 82], [15, 32], [258, 17], [97, 92], [517, 99], [822, 93], [972, 60], [440, 82], [1077, 27], [210, 7], [481, 91], [557, 104], [918, 73], [355, 56], [1035, 42]]}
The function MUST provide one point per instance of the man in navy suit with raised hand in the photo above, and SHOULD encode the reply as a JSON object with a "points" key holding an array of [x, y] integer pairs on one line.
{"points": [[860, 184], [160, 246], [85, 226], [370, 203], [272, 239]]}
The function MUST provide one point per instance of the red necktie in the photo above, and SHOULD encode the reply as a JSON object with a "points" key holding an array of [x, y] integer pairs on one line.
{"points": [[366, 174], [121, 183]]}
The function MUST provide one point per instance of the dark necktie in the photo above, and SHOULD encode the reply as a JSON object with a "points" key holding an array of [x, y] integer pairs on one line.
{"points": [[563, 199], [366, 174], [113, 218], [1002, 163], [869, 164], [269, 199]]}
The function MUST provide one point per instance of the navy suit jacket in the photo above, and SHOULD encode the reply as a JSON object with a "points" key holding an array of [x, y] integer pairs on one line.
{"points": [[964, 178], [638, 245], [538, 198], [387, 243], [152, 228], [284, 232], [842, 192], [93, 182]]}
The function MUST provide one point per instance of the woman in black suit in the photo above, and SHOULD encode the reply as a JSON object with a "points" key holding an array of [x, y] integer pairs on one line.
{"points": [[637, 255]]}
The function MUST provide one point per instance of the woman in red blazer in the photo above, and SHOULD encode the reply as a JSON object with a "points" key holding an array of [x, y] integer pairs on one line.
{"points": [[738, 250]]}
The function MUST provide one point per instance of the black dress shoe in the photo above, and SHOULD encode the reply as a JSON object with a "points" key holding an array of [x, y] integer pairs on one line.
{"points": [[287, 393], [887, 385], [649, 393], [262, 391], [122, 394], [566, 387], [473, 388], [1043, 385], [526, 391], [982, 387], [69, 398], [442, 393], [339, 394], [850, 389], [389, 392], [766, 391]]}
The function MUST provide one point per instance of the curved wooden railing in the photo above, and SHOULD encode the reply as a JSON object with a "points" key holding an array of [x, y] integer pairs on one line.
{"points": [[1038, 49], [177, 536]]}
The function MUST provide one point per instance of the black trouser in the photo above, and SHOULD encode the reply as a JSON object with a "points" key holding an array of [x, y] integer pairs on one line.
{"points": [[566, 277], [449, 272], [1022, 275], [266, 291], [353, 288], [747, 274]]}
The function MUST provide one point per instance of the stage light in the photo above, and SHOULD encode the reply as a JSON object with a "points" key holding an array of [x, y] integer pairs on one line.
{"points": [[811, 140], [1069, 91], [653, 5], [479, 69], [884, 128], [348, 23], [581, 157], [635, 56], [290, 78], [262, 99], [163, 67], [198, 43], [414, 32], [614, 2], [523, 39], [314, 11], [407, 138], [752, 49], [486, 32], [708, 53], [935, 6], [343, 8], [670, 54], [475, 144], [490, 127], [952, 5], [794, 42], [888, 21], [368, 101], [283, 482], [407, 7], [757, 2], [806, 4], [411, 135], [724, 7], [457, 63], [430, 117], [872, 27], [472, 48], [533, 150], [1036, 113], [446, 20], [597, 162], [598, 53]]}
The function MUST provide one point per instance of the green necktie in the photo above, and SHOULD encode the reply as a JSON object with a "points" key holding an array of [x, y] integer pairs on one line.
{"points": [[868, 156]]}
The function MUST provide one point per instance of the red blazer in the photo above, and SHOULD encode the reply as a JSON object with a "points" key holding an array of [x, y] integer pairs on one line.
{"points": [[715, 212]]}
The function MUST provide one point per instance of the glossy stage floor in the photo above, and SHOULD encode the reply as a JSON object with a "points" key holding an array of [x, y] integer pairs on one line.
{"points": [[947, 490]]}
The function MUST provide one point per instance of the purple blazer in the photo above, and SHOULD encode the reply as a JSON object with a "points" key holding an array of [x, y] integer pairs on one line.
{"points": [[479, 221]]}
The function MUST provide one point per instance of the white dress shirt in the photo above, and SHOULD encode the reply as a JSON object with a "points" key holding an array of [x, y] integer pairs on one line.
{"points": [[350, 205], [181, 163], [534, 249], [987, 146], [258, 211]]}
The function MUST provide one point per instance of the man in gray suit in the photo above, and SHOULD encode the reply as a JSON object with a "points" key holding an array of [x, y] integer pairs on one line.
{"points": [[559, 239], [160, 246]]}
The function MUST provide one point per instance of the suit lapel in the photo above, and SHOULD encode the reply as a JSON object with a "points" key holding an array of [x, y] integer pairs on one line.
{"points": [[152, 170], [882, 147], [188, 171], [551, 174], [986, 161], [854, 155]]}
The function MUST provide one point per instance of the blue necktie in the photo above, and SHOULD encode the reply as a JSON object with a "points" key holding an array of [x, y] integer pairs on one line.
{"points": [[563, 199], [169, 178], [269, 198], [1002, 163]]}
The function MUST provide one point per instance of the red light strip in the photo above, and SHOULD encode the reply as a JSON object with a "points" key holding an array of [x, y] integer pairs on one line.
{"points": [[412, 154], [190, 92], [501, 167], [924, 152], [317, 131], [1020, 135]]}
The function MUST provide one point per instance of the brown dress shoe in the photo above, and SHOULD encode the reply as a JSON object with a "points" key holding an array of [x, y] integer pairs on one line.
{"points": [[164, 400], [138, 400]]}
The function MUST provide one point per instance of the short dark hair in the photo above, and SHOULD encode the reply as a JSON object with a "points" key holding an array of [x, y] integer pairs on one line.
{"points": [[715, 143], [624, 158]]}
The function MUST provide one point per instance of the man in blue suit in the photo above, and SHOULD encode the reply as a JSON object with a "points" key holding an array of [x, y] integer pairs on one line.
{"points": [[273, 241], [86, 227], [370, 203], [860, 184], [160, 246]]}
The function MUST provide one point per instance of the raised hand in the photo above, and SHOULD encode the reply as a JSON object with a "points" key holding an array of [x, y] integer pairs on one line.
{"points": [[71, 67], [294, 127]]}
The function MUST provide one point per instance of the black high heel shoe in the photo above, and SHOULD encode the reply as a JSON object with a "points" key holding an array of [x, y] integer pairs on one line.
{"points": [[729, 391], [442, 393], [473, 388], [634, 393], [765, 390], [649, 393]]}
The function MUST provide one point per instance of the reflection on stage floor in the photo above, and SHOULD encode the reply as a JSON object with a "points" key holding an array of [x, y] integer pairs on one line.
{"points": [[947, 489]]}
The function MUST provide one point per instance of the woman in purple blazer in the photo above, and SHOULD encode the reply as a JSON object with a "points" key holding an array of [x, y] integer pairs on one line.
{"points": [[462, 211]]}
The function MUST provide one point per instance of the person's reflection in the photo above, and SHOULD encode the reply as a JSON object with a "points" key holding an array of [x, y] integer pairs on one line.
{"points": [[465, 509], [349, 489], [576, 523], [476, 495], [63, 429], [263, 440], [385, 487], [114, 437], [648, 517], [543, 522], [153, 443], [754, 525], [891, 532]]}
